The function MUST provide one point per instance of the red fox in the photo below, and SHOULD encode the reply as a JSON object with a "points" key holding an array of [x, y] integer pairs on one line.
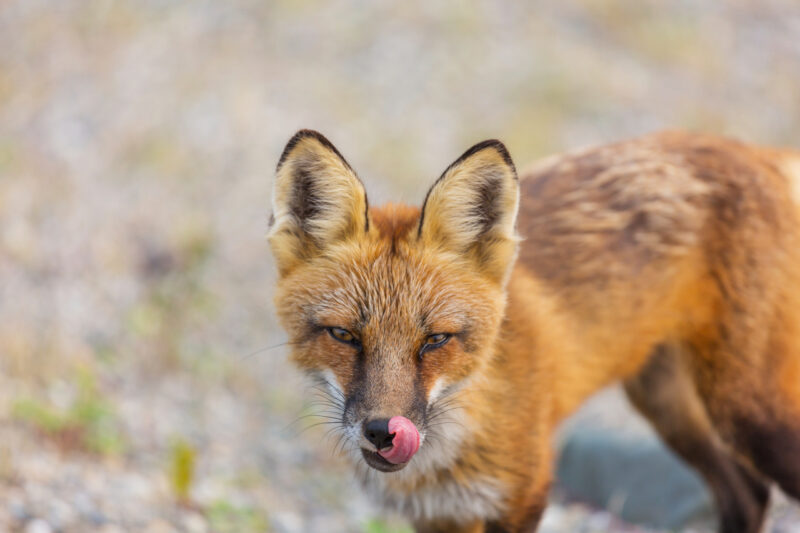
{"points": [[451, 339]]}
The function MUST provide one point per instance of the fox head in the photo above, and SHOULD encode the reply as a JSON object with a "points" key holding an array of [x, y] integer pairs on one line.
{"points": [[392, 310]]}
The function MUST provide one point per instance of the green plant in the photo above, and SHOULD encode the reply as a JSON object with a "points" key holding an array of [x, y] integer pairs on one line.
{"points": [[89, 423], [225, 517], [377, 525], [182, 458]]}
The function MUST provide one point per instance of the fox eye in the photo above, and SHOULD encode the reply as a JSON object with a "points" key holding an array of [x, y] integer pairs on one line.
{"points": [[435, 341], [342, 335]]}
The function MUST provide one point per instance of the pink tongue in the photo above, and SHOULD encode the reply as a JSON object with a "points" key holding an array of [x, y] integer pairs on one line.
{"points": [[405, 442]]}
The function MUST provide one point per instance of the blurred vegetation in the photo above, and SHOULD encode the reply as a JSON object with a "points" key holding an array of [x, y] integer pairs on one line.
{"points": [[225, 517], [377, 525], [88, 424], [175, 298]]}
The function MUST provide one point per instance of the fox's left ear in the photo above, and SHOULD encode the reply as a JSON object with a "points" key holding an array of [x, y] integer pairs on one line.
{"points": [[472, 209], [317, 200]]}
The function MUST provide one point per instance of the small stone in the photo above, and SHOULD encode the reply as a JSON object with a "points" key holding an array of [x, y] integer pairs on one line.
{"points": [[288, 521], [18, 511], [195, 523], [38, 526], [160, 526], [111, 528]]}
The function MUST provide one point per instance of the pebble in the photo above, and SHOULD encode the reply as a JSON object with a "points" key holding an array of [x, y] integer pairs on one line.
{"points": [[38, 525], [194, 523]]}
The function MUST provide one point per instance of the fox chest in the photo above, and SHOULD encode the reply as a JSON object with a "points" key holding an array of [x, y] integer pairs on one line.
{"points": [[476, 498]]}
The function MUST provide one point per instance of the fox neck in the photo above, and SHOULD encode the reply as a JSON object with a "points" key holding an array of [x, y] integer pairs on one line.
{"points": [[543, 354]]}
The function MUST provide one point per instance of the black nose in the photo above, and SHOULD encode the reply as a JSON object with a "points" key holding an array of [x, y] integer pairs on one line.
{"points": [[377, 432]]}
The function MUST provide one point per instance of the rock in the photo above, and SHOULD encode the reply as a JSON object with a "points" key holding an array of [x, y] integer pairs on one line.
{"points": [[637, 479]]}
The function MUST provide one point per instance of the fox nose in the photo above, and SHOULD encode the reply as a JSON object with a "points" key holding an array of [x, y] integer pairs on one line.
{"points": [[377, 432]]}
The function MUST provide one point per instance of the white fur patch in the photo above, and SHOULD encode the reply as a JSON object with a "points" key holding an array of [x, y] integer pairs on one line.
{"points": [[436, 390], [332, 383], [479, 498]]}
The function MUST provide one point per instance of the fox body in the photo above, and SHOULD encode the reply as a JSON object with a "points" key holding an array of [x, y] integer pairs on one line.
{"points": [[480, 320]]}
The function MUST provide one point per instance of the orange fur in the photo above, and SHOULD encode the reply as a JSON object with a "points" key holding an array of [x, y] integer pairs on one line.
{"points": [[667, 262]]}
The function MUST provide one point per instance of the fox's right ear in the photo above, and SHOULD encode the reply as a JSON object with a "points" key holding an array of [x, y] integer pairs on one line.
{"points": [[317, 200]]}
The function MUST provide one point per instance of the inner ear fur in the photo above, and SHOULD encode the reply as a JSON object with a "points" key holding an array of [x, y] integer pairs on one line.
{"points": [[472, 208], [317, 200]]}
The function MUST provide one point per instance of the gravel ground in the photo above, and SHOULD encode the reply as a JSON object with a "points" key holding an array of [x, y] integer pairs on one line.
{"points": [[143, 385]]}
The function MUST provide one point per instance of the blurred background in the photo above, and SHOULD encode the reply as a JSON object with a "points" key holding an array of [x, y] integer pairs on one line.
{"points": [[142, 382]]}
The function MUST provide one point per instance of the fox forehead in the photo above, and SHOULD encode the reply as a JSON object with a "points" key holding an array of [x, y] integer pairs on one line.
{"points": [[358, 284]]}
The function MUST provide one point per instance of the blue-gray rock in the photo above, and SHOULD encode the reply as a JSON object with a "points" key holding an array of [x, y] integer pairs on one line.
{"points": [[639, 480]]}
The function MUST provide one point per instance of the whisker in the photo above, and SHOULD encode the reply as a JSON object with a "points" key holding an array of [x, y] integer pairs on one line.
{"points": [[324, 403], [445, 402], [440, 414], [265, 349], [329, 432], [329, 390], [328, 415], [313, 426], [444, 423], [322, 393], [339, 441], [296, 433], [325, 394], [448, 403]]}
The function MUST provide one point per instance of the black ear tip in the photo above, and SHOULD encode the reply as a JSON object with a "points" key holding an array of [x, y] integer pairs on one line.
{"points": [[501, 148], [484, 145], [305, 134]]}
